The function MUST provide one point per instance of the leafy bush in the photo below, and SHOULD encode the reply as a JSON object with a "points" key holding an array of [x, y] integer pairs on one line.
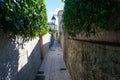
{"points": [[23, 17], [80, 15], [51, 30]]}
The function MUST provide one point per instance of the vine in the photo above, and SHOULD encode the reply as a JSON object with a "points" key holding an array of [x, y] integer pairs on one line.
{"points": [[23, 17], [80, 15]]}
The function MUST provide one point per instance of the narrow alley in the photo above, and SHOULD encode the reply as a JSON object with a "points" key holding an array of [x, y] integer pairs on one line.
{"points": [[53, 66], [88, 34]]}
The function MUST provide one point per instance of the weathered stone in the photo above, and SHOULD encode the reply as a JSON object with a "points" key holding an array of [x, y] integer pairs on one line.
{"points": [[92, 61]]}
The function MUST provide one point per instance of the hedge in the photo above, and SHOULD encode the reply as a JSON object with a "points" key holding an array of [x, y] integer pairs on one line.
{"points": [[80, 15], [23, 17]]}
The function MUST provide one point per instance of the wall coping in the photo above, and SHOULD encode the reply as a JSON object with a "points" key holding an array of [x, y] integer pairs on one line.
{"points": [[101, 37]]}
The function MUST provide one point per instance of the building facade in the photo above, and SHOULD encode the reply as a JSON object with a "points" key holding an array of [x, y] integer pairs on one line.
{"points": [[61, 28], [52, 25]]}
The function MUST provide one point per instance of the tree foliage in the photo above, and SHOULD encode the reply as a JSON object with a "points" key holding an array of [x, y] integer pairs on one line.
{"points": [[23, 17], [80, 15], [62, 0], [51, 30]]}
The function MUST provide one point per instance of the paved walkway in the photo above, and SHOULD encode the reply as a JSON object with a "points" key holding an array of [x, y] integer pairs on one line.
{"points": [[53, 66]]}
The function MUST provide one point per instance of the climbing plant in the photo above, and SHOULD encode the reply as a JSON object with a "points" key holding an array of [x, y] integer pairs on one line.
{"points": [[80, 15], [23, 17]]}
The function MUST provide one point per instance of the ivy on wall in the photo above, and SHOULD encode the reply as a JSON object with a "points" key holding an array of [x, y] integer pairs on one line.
{"points": [[80, 15], [23, 17]]}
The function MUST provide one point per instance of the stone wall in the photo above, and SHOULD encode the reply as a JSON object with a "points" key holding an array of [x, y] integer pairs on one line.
{"points": [[92, 61], [19, 58]]}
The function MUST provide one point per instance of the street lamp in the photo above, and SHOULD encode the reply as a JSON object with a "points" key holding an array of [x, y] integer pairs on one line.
{"points": [[53, 20]]}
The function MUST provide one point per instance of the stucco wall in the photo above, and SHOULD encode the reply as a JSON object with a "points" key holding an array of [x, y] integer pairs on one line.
{"points": [[19, 59], [46, 42], [92, 61]]}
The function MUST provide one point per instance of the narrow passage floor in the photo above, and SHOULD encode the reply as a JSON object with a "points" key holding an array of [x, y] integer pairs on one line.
{"points": [[53, 66]]}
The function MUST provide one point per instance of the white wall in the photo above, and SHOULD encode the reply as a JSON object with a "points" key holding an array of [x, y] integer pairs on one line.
{"points": [[19, 59]]}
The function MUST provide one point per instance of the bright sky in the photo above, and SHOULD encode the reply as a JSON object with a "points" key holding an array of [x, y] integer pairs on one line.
{"points": [[53, 6]]}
